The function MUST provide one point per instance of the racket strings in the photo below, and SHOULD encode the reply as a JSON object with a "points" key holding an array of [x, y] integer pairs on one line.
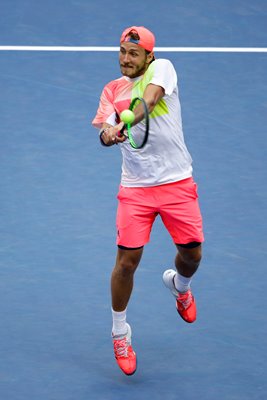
{"points": [[138, 137]]}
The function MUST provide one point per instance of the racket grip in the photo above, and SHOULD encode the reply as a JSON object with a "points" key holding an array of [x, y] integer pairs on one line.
{"points": [[120, 133]]}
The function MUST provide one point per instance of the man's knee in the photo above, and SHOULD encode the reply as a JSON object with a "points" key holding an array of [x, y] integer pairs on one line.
{"points": [[191, 254], [128, 260]]}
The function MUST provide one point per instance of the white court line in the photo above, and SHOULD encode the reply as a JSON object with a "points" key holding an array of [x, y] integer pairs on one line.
{"points": [[160, 49]]}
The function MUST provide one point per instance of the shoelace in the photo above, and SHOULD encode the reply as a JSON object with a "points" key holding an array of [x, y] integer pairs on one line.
{"points": [[185, 299], [121, 347]]}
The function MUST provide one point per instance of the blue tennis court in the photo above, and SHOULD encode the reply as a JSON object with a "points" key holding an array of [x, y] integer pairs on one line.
{"points": [[58, 206]]}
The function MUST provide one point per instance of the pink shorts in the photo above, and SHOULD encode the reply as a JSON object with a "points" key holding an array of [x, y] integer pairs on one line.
{"points": [[176, 203]]}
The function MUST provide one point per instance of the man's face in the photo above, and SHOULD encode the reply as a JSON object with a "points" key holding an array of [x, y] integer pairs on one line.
{"points": [[133, 60]]}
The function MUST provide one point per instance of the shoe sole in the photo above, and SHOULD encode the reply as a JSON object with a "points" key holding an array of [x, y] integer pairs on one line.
{"points": [[131, 372], [170, 287], [189, 322]]}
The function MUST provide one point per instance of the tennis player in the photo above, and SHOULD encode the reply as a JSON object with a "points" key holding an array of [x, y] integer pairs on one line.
{"points": [[156, 180]]}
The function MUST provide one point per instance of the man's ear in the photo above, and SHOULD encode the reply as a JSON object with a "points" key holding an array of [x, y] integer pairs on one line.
{"points": [[150, 57]]}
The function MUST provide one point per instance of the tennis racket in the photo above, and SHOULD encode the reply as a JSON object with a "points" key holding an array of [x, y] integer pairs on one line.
{"points": [[138, 134]]}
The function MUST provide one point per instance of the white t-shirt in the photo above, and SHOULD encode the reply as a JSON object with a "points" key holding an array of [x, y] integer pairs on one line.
{"points": [[165, 158]]}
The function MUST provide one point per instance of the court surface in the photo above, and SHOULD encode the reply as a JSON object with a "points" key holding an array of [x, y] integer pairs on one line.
{"points": [[58, 205]]}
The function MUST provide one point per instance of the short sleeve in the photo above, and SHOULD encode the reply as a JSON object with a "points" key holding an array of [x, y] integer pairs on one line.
{"points": [[164, 75], [105, 110]]}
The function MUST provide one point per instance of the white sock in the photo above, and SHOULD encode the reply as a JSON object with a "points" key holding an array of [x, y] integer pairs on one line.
{"points": [[119, 322], [182, 283]]}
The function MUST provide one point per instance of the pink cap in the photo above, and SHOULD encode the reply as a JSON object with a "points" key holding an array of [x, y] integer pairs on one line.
{"points": [[147, 39]]}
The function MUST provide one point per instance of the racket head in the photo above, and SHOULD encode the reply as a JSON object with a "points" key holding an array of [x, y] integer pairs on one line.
{"points": [[138, 137]]}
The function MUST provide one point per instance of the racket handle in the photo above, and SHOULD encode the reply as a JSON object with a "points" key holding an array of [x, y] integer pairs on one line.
{"points": [[120, 133]]}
